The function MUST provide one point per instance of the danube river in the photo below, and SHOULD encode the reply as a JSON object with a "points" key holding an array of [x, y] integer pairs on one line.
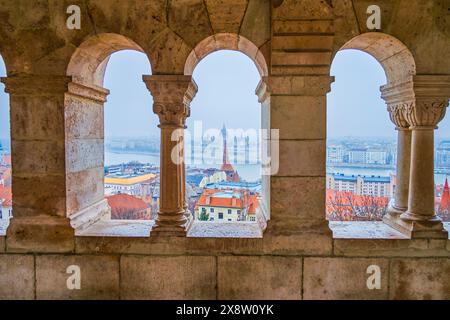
{"points": [[249, 172]]}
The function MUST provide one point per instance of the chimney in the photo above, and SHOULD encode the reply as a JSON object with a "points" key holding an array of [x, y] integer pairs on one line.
{"points": [[208, 200], [233, 201]]}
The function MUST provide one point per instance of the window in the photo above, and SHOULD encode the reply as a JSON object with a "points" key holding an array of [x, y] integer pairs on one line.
{"points": [[131, 139], [5, 156], [222, 148], [358, 126], [442, 169], [211, 210]]}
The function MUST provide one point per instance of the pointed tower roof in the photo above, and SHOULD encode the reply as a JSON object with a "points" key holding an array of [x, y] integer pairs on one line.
{"points": [[225, 161], [445, 199]]}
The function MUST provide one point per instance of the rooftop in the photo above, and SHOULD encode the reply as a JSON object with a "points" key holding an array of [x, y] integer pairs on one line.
{"points": [[128, 179]]}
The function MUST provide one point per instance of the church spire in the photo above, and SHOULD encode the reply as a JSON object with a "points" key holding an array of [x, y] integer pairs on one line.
{"points": [[225, 149], [445, 199]]}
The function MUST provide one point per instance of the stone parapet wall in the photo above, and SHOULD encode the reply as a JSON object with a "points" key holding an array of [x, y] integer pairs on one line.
{"points": [[204, 276]]}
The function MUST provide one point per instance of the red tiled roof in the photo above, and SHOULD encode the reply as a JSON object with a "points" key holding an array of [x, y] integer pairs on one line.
{"points": [[124, 206], [126, 201], [6, 196], [246, 200]]}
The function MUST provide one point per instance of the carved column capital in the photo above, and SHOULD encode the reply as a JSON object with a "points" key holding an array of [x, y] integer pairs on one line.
{"points": [[432, 93], [426, 113], [172, 95], [398, 98]]}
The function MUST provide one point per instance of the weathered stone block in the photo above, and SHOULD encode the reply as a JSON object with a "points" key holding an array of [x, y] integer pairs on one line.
{"points": [[309, 155], [303, 26], [83, 118], [420, 279], [99, 277], [302, 85], [281, 241], [340, 278], [301, 58], [297, 198], [184, 277], [298, 117], [190, 20], [256, 23], [41, 194], [16, 276], [84, 188], [29, 124], [84, 154], [38, 156], [306, 9], [381, 247], [226, 16], [259, 277], [304, 42], [40, 234]]}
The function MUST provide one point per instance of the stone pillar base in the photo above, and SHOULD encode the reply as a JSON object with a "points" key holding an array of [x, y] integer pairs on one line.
{"points": [[168, 231], [392, 219], [170, 225], [40, 234], [90, 215], [416, 229]]}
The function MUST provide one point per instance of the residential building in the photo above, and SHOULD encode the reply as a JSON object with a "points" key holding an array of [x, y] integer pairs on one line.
{"points": [[443, 155], [124, 183], [335, 154], [226, 206], [357, 156], [127, 207], [375, 186]]}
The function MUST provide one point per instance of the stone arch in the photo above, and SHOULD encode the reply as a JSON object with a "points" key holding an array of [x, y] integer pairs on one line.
{"points": [[226, 41], [84, 129], [88, 63], [235, 42], [393, 55]]}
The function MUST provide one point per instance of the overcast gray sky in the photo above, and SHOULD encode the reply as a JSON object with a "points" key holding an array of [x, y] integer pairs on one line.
{"points": [[227, 82]]}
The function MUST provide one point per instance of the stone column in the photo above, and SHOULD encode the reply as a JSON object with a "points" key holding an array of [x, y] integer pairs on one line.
{"points": [[39, 220], [84, 137], [172, 95], [398, 98], [431, 101], [297, 184]]}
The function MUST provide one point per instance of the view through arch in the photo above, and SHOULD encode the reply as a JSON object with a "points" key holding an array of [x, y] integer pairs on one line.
{"points": [[5, 156], [361, 141], [132, 139], [223, 164]]}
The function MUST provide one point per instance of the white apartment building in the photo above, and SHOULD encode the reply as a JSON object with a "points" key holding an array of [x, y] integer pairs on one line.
{"points": [[335, 154], [361, 185]]}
